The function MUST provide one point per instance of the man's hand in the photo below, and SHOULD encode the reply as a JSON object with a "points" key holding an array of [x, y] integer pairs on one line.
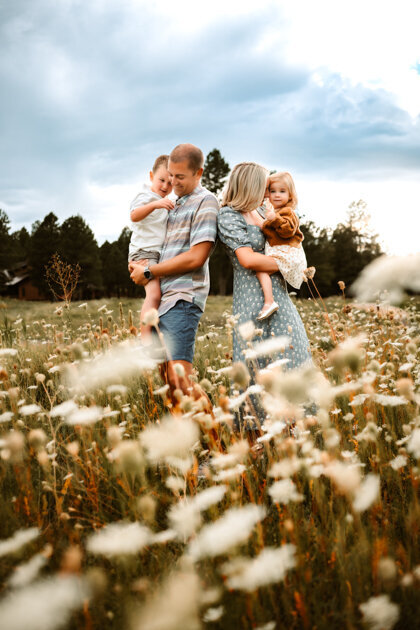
{"points": [[137, 273]]}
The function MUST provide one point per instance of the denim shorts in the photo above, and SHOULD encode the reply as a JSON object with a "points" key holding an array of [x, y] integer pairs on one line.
{"points": [[179, 328]]}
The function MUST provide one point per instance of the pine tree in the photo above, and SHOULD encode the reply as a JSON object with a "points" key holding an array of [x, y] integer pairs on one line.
{"points": [[216, 170], [78, 246], [45, 241], [5, 241]]}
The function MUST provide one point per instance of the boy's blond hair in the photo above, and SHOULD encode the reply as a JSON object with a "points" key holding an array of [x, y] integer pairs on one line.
{"points": [[162, 160], [290, 185], [246, 187]]}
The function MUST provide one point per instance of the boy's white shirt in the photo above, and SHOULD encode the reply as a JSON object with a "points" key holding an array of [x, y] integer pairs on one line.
{"points": [[149, 233]]}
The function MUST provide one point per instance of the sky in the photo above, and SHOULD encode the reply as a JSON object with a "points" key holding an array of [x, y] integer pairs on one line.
{"points": [[92, 91]]}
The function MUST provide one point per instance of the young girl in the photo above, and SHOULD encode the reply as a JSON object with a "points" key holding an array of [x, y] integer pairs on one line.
{"points": [[284, 239], [149, 215]]}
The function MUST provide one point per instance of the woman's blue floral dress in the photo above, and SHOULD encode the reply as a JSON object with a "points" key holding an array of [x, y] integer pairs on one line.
{"points": [[234, 232]]}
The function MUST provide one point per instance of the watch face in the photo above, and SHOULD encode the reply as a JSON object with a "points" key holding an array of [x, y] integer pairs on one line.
{"points": [[147, 273]]}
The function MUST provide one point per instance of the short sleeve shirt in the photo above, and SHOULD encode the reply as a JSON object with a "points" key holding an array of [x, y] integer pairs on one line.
{"points": [[192, 221], [149, 233]]}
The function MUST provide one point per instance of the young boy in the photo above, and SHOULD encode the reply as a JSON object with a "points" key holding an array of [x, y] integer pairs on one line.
{"points": [[149, 215]]}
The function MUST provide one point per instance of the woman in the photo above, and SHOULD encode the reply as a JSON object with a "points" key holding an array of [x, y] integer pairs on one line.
{"points": [[239, 227]]}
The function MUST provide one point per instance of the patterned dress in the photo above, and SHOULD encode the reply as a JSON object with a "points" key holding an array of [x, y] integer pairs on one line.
{"points": [[235, 232]]}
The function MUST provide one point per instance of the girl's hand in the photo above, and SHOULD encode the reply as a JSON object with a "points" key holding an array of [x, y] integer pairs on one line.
{"points": [[270, 214]]}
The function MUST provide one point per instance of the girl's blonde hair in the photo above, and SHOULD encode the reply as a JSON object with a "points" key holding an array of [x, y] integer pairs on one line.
{"points": [[246, 187], [290, 185]]}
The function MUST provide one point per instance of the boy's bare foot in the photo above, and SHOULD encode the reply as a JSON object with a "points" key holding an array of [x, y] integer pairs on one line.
{"points": [[267, 311]]}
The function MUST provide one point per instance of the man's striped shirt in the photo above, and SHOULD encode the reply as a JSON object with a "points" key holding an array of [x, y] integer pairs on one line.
{"points": [[192, 221]]}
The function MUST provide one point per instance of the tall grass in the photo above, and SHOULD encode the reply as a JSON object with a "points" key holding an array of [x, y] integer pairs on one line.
{"points": [[115, 514]]}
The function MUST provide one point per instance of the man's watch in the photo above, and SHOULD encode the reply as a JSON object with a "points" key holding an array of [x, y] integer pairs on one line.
{"points": [[147, 273]]}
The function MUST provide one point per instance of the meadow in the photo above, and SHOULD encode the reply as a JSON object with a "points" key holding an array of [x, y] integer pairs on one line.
{"points": [[118, 511]]}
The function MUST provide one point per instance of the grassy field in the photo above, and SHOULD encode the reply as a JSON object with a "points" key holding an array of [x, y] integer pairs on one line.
{"points": [[116, 514]]}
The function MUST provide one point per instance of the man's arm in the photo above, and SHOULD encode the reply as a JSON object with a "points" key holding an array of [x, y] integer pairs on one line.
{"points": [[194, 258]]}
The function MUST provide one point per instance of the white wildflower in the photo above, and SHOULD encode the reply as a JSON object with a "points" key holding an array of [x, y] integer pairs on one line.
{"points": [[6, 416], [390, 274], [8, 352], [398, 462], [389, 401], [183, 464], [184, 518], [18, 540], [206, 498], [29, 410], [151, 318], [413, 445], [269, 567], [367, 494], [119, 539], [247, 330], [285, 468], [230, 473], [44, 605], [85, 416], [233, 528], [125, 359], [268, 347], [63, 409], [27, 572], [346, 477], [173, 436], [163, 537], [379, 613], [121, 390], [284, 491], [213, 614], [175, 606], [358, 400]]}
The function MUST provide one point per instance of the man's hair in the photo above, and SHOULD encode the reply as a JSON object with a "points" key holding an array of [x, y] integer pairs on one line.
{"points": [[287, 180], [193, 155], [246, 187], [162, 160]]}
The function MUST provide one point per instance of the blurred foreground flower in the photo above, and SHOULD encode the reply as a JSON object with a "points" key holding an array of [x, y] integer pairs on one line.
{"points": [[173, 436], [45, 605], [379, 613], [120, 362], [174, 607], [269, 567], [119, 539], [18, 540], [232, 529], [390, 274]]}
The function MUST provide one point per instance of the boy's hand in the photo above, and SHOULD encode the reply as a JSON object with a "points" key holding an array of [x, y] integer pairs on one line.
{"points": [[166, 203]]}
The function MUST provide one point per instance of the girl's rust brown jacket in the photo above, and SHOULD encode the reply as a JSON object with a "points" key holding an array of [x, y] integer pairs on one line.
{"points": [[283, 229]]}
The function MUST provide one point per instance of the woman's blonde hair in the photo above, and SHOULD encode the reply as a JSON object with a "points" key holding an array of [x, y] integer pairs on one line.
{"points": [[290, 185], [246, 187]]}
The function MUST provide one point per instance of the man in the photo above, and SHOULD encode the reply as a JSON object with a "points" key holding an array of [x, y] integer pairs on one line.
{"points": [[183, 266]]}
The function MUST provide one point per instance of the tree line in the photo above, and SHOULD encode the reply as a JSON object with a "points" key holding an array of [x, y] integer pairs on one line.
{"points": [[338, 254]]}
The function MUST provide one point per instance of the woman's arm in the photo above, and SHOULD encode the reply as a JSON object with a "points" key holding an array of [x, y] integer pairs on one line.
{"points": [[253, 260]]}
